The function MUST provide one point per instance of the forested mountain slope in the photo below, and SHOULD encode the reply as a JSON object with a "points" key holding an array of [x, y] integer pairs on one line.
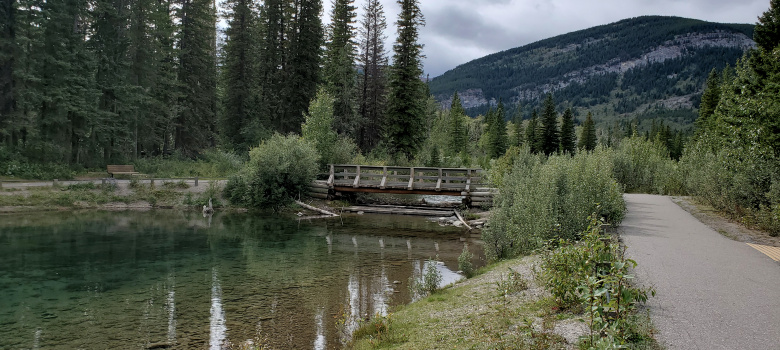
{"points": [[641, 67]]}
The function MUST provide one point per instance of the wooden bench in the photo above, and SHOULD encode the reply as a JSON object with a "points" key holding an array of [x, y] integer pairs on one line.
{"points": [[121, 170]]}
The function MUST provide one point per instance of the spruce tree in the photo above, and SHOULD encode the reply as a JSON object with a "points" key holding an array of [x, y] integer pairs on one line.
{"points": [[519, 132], [588, 134], [373, 81], [568, 136], [339, 69], [273, 46], [709, 100], [531, 137], [457, 130], [767, 30], [7, 53], [196, 120], [405, 124], [303, 62], [239, 77], [497, 132], [550, 135]]}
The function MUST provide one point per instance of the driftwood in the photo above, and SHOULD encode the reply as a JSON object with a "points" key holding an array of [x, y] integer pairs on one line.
{"points": [[324, 212], [463, 221]]}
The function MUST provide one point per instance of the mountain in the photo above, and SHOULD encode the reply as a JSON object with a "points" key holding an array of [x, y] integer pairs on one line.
{"points": [[644, 67]]}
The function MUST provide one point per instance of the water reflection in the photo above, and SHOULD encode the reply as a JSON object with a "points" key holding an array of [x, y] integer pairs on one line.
{"points": [[132, 280]]}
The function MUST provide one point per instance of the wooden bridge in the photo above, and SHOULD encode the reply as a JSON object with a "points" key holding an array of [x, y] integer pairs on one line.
{"points": [[466, 182]]}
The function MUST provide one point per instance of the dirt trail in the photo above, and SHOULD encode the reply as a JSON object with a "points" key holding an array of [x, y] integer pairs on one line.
{"points": [[712, 292]]}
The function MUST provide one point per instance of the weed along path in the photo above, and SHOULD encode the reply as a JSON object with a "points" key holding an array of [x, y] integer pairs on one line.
{"points": [[711, 292]]}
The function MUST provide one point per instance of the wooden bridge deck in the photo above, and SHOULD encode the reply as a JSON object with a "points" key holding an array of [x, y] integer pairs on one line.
{"points": [[405, 180]]}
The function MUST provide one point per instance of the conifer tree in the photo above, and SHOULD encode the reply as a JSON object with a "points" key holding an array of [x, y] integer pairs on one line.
{"points": [[767, 30], [568, 136], [303, 62], [405, 124], [373, 81], [339, 69], [7, 53], [196, 120], [458, 136], [497, 139], [588, 134], [709, 100], [519, 132], [531, 137], [273, 45], [239, 77], [550, 135]]}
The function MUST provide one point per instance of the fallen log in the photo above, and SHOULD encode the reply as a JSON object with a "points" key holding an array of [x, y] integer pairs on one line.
{"points": [[325, 212], [463, 221]]}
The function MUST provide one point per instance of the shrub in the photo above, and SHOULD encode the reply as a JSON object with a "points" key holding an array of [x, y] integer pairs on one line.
{"points": [[428, 283], [549, 199], [644, 166], [464, 262], [277, 172]]}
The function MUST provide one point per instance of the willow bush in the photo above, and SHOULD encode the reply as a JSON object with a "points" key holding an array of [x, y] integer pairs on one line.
{"points": [[551, 198], [644, 166], [278, 171]]}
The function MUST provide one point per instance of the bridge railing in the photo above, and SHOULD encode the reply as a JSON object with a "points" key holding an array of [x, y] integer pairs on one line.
{"points": [[409, 178]]}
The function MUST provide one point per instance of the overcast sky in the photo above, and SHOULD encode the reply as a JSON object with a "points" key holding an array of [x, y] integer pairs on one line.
{"points": [[458, 31]]}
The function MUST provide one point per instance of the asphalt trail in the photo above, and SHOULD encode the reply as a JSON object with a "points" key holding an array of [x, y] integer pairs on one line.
{"points": [[711, 292]]}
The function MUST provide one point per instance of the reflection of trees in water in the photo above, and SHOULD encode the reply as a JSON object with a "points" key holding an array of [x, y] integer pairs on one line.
{"points": [[166, 277]]}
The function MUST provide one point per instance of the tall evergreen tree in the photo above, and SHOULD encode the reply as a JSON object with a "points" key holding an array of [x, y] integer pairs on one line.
{"points": [[458, 136], [519, 132], [588, 134], [339, 71], [273, 45], [568, 136], [767, 30], [196, 120], [406, 104], [550, 134], [497, 138], [303, 61], [26, 68], [67, 82], [239, 80], [373, 81], [531, 135], [709, 100], [7, 55], [111, 131]]}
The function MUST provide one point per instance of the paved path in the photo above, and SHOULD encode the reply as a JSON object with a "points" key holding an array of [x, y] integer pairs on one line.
{"points": [[712, 292]]}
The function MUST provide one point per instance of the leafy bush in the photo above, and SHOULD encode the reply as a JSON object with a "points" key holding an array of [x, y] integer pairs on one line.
{"points": [[464, 262], [644, 166], [428, 283], [543, 199], [277, 172], [595, 274], [212, 163]]}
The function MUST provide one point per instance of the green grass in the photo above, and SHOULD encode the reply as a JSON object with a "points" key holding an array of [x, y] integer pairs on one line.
{"points": [[473, 315]]}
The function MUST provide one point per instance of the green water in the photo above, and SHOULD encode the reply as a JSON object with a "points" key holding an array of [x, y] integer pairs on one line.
{"points": [[131, 280]]}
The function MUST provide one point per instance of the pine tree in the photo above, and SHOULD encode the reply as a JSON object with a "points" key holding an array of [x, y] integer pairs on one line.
{"points": [[497, 139], [550, 135], [339, 69], [531, 137], [519, 132], [457, 130], [302, 66], [588, 134], [767, 30], [26, 69], [709, 100], [373, 81], [406, 104], [7, 53], [568, 136], [239, 79], [196, 120], [271, 68]]}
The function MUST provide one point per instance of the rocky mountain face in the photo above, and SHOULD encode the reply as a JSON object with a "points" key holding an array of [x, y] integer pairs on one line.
{"points": [[638, 67]]}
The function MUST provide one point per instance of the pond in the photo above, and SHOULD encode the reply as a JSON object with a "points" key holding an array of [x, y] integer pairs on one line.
{"points": [[135, 280]]}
